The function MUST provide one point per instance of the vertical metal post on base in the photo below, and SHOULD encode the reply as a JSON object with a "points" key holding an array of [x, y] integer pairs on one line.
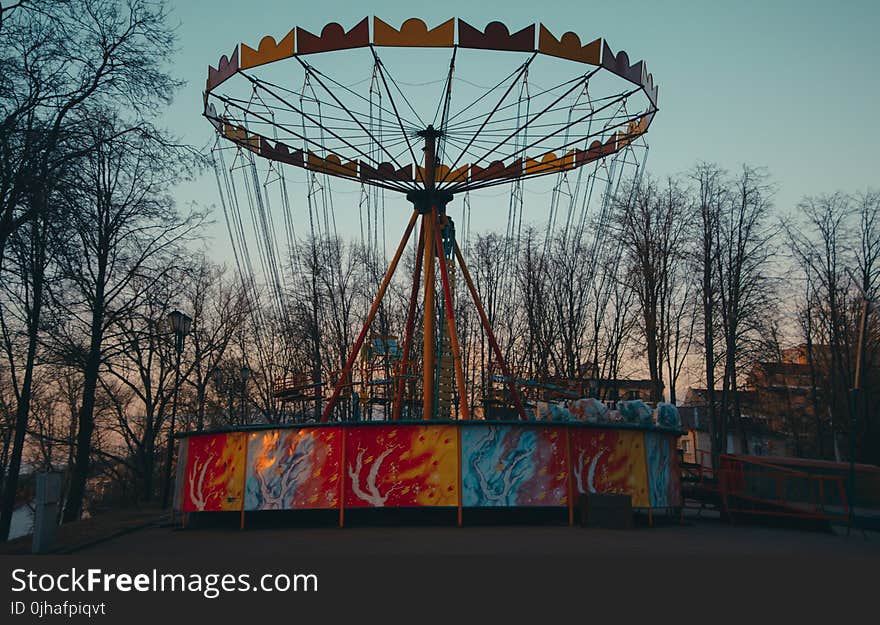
{"points": [[460, 469], [46, 512], [570, 477], [342, 480], [428, 338]]}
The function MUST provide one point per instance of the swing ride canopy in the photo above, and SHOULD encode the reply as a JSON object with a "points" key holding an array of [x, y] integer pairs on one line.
{"points": [[495, 107]]}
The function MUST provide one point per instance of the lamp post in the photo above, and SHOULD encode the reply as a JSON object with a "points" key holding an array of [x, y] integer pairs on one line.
{"points": [[245, 373], [180, 324]]}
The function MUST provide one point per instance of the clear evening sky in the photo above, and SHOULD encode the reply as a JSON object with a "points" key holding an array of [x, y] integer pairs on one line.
{"points": [[790, 85]]}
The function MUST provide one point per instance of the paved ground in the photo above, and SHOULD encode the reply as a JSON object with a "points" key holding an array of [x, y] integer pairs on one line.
{"points": [[694, 538], [693, 566], [105, 525]]}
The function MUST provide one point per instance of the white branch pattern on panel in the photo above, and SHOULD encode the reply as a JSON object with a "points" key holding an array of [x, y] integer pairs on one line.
{"points": [[197, 482], [372, 494]]}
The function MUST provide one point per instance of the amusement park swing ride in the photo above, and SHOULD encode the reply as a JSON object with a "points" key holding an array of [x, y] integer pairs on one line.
{"points": [[279, 105]]}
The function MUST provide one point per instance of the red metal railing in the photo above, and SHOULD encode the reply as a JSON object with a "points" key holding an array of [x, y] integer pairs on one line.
{"points": [[763, 488]]}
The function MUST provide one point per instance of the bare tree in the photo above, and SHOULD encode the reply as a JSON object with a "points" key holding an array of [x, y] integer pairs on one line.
{"points": [[745, 240], [218, 309], [568, 285], [820, 246], [712, 198], [59, 60], [806, 315], [33, 247], [123, 219], [137, 373], [649, 224], [838, 241]]}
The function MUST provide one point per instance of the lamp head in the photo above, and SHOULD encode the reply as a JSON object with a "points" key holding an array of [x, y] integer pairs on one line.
{"points": [[180, 322]]}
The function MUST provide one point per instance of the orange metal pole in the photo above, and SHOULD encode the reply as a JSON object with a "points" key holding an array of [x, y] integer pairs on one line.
{"points": [[428, 342], [460, 469], [644, 436], [429, 221], [375, 307], [485, 320], [244, 481], [464, 410], [342, 479], [410, 323], [570, 476]]}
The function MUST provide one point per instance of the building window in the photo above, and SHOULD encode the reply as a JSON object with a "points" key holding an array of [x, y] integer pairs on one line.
{"points": [[685, 446]]}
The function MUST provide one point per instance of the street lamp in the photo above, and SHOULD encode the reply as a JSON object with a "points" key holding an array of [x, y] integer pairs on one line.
{"points": [[180, 324], [245, 373]]}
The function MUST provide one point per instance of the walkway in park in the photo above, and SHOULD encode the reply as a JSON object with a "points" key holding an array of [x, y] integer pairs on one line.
{"points": [[699, 538], [148, 533]]}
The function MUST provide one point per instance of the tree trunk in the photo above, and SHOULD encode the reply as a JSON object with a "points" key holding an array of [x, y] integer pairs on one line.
{"points": [[21, 421], [201, 397], [149, 463], [737, 412], [715, 428], [82, 464], [653, 358], [7, 505], [814, 398]]}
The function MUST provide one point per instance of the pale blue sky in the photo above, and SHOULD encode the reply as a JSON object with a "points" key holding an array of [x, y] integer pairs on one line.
{"points": [[790, 85]]}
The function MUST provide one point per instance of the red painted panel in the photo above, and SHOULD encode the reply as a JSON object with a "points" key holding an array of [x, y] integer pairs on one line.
{"points": [[397, 466]]}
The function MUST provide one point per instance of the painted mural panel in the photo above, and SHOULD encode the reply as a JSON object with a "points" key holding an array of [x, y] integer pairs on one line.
{"points": [[293, 469], [663, 472], [180, 473], [215, 472], [397, 466], [509, 465], [610, 461]]}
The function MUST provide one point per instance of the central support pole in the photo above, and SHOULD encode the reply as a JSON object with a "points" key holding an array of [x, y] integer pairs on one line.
{"points": [[428, 345], [464, 409], [429, 219]]}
